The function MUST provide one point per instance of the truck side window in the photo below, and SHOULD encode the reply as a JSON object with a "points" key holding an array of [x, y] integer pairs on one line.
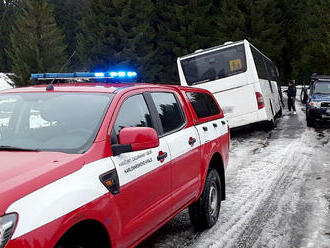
{"points": [[203, 104], [133, 113], [169, 110]]}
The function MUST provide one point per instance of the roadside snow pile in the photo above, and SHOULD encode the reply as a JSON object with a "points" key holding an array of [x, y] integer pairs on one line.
{"points": [[5, 82]]}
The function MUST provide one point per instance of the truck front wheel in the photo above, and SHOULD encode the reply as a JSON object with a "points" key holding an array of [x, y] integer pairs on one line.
{"points": [[309, 120], [204, 212]]}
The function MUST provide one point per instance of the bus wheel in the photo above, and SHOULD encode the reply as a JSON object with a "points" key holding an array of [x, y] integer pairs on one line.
{"points": [[270, 125], [280, 112]]}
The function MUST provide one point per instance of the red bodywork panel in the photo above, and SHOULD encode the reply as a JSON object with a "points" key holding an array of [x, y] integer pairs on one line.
{"points": [[143, 204], [140, 138]]}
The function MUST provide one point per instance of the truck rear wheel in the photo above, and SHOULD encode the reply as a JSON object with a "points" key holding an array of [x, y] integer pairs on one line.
{"points": [[205, 212]]}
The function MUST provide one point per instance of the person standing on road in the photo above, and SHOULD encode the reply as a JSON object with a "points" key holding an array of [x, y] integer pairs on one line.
{"points": [[292, 91]]}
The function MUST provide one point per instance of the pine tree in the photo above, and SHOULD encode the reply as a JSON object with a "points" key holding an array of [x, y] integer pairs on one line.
{"points": [[138, 37], [183, 26], [8, 12], [258, 21], [193, 25], [292, 14], [99, 39], [2, 37], [37, 43], [119, 34], [166, 59], [68, 14], [315, 35]]}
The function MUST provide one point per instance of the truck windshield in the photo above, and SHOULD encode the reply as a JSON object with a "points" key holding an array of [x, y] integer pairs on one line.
{"points": [[322, 88], [63, 122], [214, 65]]}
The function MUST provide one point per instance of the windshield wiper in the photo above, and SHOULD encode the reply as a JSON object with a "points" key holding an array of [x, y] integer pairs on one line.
{"points": [[13, 148]]}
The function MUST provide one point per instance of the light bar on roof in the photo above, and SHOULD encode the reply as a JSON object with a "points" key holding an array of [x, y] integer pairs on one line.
{"points": [[85, 75], [99, 74], [131, 74]]}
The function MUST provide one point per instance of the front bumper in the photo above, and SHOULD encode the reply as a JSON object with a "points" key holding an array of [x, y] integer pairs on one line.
{"points": [[319, 113]]}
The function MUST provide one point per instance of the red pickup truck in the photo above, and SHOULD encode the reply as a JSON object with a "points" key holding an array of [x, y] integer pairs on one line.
{"points": [[105, 165]]}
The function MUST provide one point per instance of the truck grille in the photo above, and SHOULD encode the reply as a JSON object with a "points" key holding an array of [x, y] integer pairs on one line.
{"points": [[325, 104]]}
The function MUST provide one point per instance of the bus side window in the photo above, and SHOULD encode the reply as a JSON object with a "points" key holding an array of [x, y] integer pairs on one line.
{"points": [[270, 74], [263, 66]]}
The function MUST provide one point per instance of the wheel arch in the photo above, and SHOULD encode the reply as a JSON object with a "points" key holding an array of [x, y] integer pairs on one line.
{"points": [[216, 162], [87, 228]]}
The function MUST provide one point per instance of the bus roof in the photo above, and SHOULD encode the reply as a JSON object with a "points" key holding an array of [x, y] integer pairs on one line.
{"points": [[226, 44], [201, 51]]}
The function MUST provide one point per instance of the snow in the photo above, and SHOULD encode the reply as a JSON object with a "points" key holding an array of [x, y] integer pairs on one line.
{"points": [[5, 82], [266, 204], [277, 192]]}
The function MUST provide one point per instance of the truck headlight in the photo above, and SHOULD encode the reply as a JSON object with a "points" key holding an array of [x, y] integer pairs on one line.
{"points": [[315, 104], [7, 227]]}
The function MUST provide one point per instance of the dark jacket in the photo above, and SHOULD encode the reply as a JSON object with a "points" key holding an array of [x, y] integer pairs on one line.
{"points": [[292, 91]]}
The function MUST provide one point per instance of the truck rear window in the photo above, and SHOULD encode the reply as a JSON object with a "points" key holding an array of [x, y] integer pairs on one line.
{"points": [[203, 104]]}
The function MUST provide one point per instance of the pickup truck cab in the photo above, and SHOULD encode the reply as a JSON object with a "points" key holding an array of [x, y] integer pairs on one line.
{"points": [[318, 102], [105, 165]]}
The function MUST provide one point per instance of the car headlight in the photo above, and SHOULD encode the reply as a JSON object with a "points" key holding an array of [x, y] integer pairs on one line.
{"points": [[315, 104], [7, 227]]}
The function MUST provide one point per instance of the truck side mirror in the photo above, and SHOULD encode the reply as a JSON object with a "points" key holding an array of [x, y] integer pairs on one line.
{"points": [[133, 139]]}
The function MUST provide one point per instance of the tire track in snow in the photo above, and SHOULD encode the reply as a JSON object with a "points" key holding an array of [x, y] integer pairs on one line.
{"points": [[242, 223], [268, 206], [264, 178], [245, 218]]}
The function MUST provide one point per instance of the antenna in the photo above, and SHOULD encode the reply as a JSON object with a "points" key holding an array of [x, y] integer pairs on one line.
{"points": [[66, 63]]}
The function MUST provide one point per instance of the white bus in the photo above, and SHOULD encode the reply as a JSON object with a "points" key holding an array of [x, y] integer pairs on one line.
{"points": [[242, 79]]}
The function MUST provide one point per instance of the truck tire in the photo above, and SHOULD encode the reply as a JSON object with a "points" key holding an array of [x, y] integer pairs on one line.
{"points": [[74, 244], [309, 120], [70, 246], [204, 212]]}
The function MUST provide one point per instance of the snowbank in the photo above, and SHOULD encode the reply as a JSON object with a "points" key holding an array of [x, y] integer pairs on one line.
{"points": [[5, 82]]}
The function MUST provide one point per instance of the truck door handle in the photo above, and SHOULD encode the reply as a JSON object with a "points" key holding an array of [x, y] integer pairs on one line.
{"points": [[205, 129], [161, 156], [192, 141], [215, 125]]}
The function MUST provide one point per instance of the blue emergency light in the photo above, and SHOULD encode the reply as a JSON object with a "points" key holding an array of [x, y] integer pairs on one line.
{"points": [[122, 75]]}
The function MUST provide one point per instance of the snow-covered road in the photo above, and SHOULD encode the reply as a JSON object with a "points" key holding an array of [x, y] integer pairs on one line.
{"points": [[278, 192]]}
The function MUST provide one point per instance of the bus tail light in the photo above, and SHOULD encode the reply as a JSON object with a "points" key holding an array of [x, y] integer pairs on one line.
{"points": [[260, 100]]}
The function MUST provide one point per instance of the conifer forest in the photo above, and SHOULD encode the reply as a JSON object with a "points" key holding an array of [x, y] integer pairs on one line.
{"points": [[149, 35]]}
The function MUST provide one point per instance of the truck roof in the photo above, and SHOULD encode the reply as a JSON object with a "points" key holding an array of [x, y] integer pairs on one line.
{"points": [[99, 87]]}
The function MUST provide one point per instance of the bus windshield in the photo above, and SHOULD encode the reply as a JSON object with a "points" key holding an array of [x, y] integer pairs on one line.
{"points": [[214, 65], [63, 122]]}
